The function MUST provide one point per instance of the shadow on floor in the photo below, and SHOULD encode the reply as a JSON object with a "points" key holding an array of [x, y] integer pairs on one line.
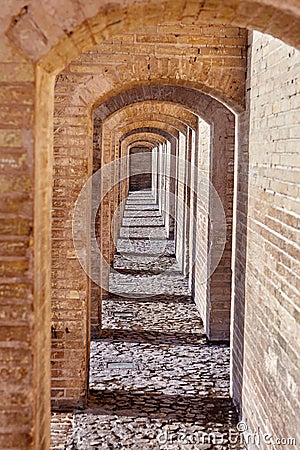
{"points": [[151, 337], [140, 272], [185, 408], [162, 298]]}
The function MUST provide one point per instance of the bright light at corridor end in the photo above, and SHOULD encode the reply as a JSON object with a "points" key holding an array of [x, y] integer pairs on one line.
{"points": [[104, 180]]}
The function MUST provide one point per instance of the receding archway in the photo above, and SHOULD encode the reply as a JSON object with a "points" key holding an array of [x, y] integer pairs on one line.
{"points": [[280, 19]]}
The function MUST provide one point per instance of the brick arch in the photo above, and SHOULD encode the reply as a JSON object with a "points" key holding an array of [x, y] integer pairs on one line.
{"points": [[70, 31], [83, 130], [140, 142], [218, 116], [177, 113], [114, 128], [149, 131], [137, 116], [215, 113], [222, 150], [133, 137], [220, 83], [217, 68], [211, 109], [135, 145], [139, 124], [152, 137], [112, 134], [192, 100], [137, 138], [208, 108], [109, 152], [134, 117], [169, 112]]}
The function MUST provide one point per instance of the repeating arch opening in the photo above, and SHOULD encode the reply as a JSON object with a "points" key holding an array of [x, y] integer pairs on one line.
{"points": [[38, 41]]}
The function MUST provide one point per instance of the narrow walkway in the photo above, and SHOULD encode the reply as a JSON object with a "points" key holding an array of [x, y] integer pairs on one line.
{"points": [[155, 381]]}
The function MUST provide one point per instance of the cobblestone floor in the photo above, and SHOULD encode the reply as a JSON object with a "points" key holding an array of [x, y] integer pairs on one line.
{"points": [[155, 381]]}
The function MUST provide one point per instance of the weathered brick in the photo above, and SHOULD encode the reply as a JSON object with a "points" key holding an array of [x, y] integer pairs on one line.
{"points": [[53, 34]]}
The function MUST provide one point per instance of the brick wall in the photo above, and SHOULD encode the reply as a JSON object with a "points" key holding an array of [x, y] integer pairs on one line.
{"points": [[70, 284], [202, 161], [267, 272], [24, 260], [180, 205], [194, 136]]}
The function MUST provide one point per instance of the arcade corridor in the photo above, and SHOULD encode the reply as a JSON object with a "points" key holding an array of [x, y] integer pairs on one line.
{"points": [[141, 328], [155, 381]]}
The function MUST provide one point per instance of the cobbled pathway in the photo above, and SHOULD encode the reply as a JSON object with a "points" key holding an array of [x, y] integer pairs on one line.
{"points": [[155, 381]]}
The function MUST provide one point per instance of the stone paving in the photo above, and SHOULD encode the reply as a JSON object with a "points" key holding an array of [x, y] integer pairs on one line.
{"points": [[155, 381]]}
